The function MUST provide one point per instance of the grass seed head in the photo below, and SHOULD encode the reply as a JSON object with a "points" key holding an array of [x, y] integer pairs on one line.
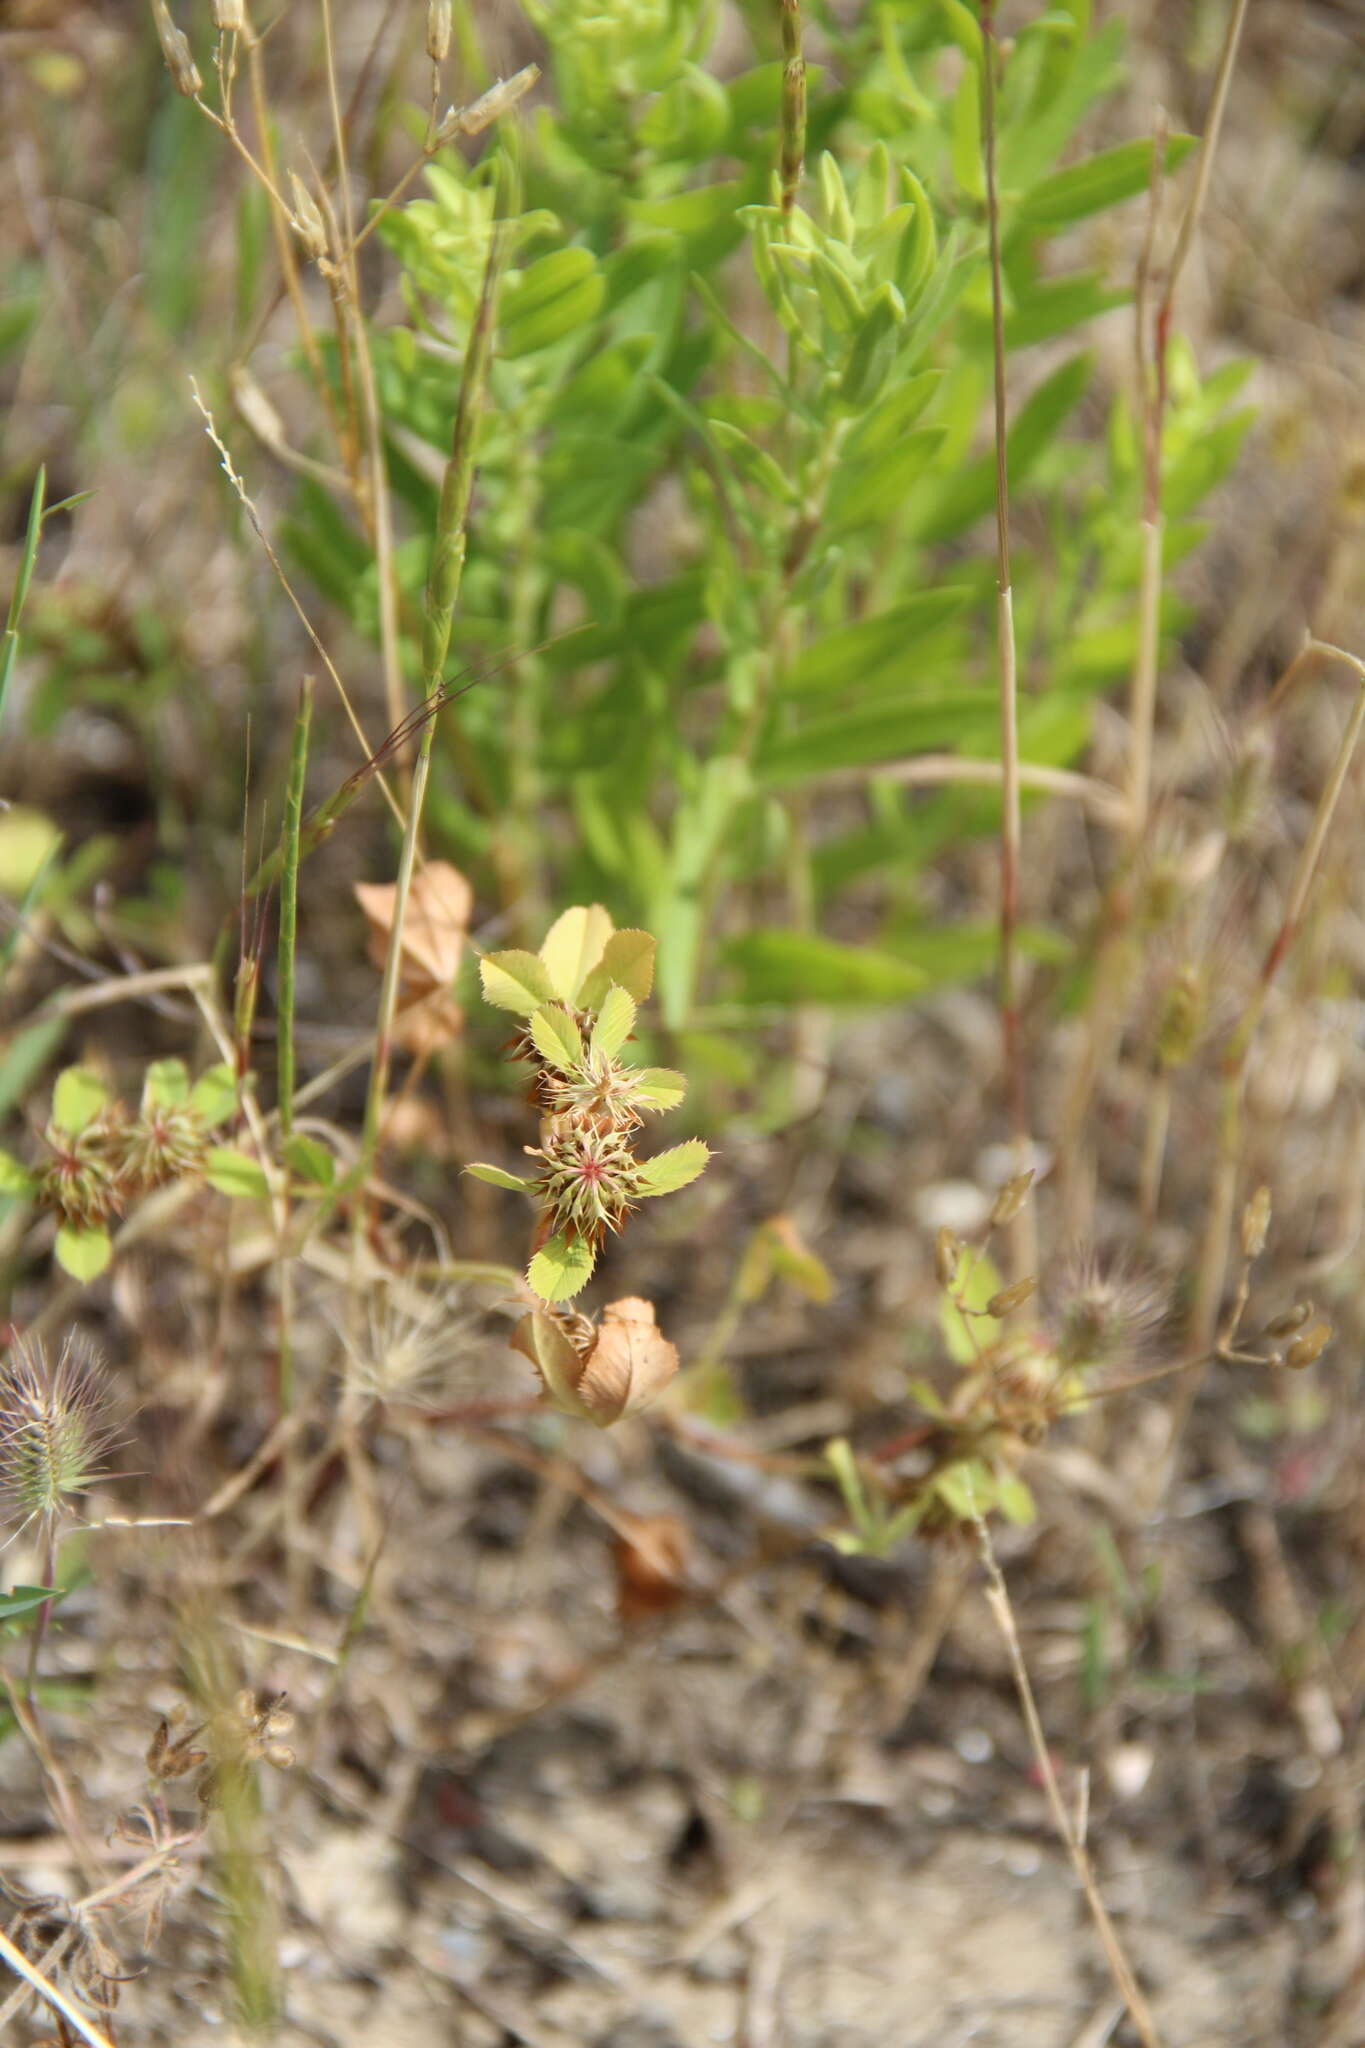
{"points": [[1105, 1312], [55, 1427]]}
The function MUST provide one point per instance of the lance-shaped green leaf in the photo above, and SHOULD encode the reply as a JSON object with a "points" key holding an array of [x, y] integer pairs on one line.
{"points": [[497, 1177], [166, 1084], [557, 296], [214, 1095], [1098, 182], [23, 1600], [516, 981], [660, 1087], [562, 1267], [83, 1254], [668, 1171], [628, 961], [574, 945], [615, 1022], [78, 1097], [557, 1039]]}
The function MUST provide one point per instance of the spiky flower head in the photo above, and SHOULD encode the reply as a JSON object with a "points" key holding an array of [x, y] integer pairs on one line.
{"points": [[55, 1426], [167, 1142], [84, 1179], [588, 1179], [600, 1090]]}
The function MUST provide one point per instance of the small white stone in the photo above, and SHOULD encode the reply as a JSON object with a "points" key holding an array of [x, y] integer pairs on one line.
{"points": [[1129, 1765], [974, 1746], [958, 1205]]}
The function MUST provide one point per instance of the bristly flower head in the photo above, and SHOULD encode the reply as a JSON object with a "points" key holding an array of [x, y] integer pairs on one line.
{"points": [[55, 1426], [577, 999], [1105, 1310]]}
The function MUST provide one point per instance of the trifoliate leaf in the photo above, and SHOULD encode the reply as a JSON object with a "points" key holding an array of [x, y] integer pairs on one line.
{"points": [[516, 981], [497, 1178], [573, 946], [311, 1161], [615, 1022], [628, 961], [660, 1087], [1014, 1500], [562, 1267], [671, 1170], [83, 1254], [78, 1097], [214, 1095], [968, 1336], [166, 1084], [966, 1489], [233, 1173], [556, 1038], [14, 1179]]}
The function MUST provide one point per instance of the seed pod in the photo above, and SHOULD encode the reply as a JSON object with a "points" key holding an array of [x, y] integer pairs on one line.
{"points": [[1293, 1319], [947, 1256], [438, 30], [1255, 1224], [1010, 1298], [229, 16], [306, 220], [599, 1373], [1308, 1348], [176, 50], [1011, 1199], [481, 113]]}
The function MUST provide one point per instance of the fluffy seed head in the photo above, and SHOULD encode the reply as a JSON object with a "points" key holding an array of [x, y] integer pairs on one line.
{"points": [[1105, 1312], [55, 1426]]}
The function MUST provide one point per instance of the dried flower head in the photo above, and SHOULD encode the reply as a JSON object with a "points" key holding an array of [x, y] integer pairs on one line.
{"points": [[405, 1348], [599, 1372], [55, 1426]]}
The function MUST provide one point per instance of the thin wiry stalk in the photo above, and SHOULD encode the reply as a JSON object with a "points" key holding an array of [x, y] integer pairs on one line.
{"points": [[1023, 1230], [381, 515], [443, 589], [1236, 1056], [226, 464], [1142, 705], [289, 903], [1113, 964], [793, 156], [998, 1600]]}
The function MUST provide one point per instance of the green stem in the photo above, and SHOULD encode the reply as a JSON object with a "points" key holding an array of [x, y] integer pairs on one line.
{"points": [[443, 589]]}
